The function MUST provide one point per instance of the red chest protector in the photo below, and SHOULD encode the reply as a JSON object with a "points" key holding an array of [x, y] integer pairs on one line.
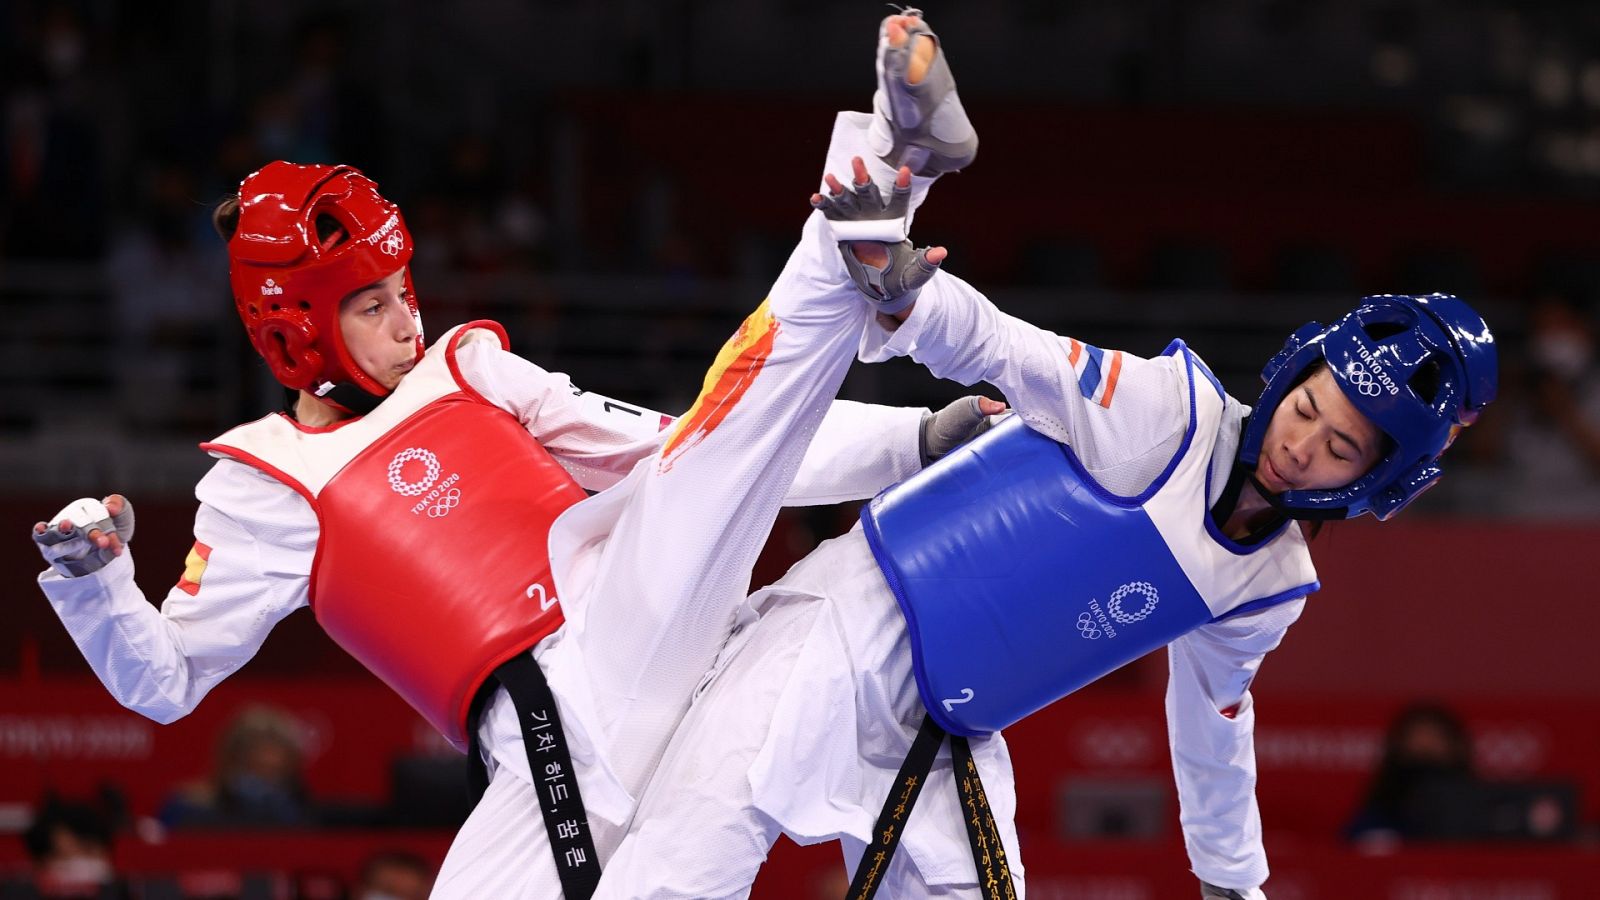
{"points": [[431, 565]]}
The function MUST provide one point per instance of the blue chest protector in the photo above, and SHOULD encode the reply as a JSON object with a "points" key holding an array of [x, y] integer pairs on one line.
{"points": [[1022, 579]]}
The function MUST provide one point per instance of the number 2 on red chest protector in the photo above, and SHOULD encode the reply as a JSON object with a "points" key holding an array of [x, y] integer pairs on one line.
{"points": [[537, 590]]}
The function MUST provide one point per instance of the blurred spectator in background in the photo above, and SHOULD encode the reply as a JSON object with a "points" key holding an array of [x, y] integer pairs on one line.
{"points": [[1428, 788], [1554, 442], [258, 779], [171, 303], [69, 845], [394, 875], [52, 194], [1425, 751]]}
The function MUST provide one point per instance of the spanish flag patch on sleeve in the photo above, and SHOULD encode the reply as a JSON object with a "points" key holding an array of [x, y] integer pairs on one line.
{"points": [[729, 378], [194, 569]]}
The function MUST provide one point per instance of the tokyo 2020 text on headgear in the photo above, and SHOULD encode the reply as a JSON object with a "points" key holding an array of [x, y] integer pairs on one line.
{"points": [[288, 283], [1420, 368]]}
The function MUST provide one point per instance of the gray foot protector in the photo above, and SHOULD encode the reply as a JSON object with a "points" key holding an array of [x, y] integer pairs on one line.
{"points": [[919, 125]]}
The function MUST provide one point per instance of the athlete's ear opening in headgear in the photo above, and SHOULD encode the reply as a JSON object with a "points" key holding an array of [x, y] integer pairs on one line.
{"points": [[1420, 368], [307, 236]]}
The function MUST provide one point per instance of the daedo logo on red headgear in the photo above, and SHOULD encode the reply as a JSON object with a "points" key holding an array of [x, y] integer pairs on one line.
{"points": [[414, 472], [271, 289]]}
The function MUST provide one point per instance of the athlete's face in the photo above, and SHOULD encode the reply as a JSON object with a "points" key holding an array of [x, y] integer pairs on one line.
{"points": [[379, 330], [1316, 440]]}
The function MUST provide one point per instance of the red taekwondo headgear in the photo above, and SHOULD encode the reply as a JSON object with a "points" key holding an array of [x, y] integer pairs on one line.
{"points": [[288, 284]]}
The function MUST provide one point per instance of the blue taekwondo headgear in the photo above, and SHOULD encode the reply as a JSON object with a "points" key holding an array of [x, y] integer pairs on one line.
{"points": [[1375, 353]]}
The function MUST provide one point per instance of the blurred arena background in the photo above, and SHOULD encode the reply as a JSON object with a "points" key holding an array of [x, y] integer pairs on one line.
{"points": [[616, 182]]}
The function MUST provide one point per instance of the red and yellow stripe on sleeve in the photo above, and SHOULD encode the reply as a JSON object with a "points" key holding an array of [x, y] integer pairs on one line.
{"points": [[194, 569], [727, 381]]}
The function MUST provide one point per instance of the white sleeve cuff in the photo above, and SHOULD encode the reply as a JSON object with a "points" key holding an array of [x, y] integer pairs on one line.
{"points": [[879, 343], [888, 231]]}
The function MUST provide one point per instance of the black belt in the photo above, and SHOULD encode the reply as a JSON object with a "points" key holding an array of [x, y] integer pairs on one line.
{"points": [[554, 780], [983, 836]]}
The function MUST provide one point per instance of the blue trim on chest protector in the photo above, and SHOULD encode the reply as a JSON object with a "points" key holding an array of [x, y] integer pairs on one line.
{"points": [[1021, 579]]}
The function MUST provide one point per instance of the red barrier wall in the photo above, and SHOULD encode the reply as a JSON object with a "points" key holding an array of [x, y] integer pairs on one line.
{"points": [[1496, 620], [1314, 752]]}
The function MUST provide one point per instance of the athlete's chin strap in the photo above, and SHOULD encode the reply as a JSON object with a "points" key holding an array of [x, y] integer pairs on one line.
{"points": [[1229, 501], [348, 397], [1242, 473], [1296, 512]]}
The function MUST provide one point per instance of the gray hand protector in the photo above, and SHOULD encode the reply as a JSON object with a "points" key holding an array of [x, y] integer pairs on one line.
{"points": [[895, 285], [1212, 892], [71, 553], [864, 202], [951, 427]]}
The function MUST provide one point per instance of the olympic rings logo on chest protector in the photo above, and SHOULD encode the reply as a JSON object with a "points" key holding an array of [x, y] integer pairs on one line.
{"points": [[442, 506], [1087, 627], [1363, 381], [397, 465], [1142, 588], [436, 496]]}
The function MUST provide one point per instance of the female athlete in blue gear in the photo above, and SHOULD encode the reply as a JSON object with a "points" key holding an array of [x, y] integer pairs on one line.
{"points": [[1130, 504]]}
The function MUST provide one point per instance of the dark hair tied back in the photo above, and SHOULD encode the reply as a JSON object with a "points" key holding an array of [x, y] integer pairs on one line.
{"points": [[225, 218]]}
